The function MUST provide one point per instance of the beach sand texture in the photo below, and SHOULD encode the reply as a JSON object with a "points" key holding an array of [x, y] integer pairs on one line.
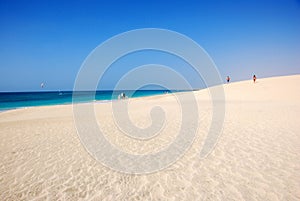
{"points": [[256, 157]]}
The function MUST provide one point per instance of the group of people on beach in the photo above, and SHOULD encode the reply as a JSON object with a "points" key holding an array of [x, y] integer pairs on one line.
{"points": [[122, 96], [228, 79]]}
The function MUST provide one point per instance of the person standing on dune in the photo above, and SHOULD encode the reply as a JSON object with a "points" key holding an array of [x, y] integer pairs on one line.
{"points": [[227, 79], [254, 78]]}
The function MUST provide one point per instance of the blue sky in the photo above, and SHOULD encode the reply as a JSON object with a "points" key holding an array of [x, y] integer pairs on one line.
{"points": [[47, 41]]}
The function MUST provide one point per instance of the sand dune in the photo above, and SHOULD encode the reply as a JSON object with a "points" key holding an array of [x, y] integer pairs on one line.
{"points": [[256, 157]]}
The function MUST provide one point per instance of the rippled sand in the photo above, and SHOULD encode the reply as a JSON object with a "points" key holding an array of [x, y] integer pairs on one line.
{"points": [[256, 157]]}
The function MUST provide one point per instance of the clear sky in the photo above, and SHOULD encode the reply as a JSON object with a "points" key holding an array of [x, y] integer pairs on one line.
{"points": [[47, 41]]}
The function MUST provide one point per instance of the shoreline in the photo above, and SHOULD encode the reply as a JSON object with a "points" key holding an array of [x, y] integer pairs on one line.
{"points": [[140, 97], [83, 102], [146, 96]]}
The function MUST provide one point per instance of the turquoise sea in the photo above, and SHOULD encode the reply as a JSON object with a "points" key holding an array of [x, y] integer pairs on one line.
{"points": [[13, 100]]}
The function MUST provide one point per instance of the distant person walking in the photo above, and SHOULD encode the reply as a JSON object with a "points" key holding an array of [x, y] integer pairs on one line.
{"points": [[254, 78], [228, 79]]}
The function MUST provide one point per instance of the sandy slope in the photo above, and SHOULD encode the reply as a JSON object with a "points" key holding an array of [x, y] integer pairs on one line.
{"points": [[256, 158]]}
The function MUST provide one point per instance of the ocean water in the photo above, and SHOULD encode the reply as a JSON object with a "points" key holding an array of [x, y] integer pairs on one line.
{"points": [[13, 100]]}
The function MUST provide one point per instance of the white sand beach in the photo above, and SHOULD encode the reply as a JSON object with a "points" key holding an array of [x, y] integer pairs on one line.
{"points": [[257, 156]]}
